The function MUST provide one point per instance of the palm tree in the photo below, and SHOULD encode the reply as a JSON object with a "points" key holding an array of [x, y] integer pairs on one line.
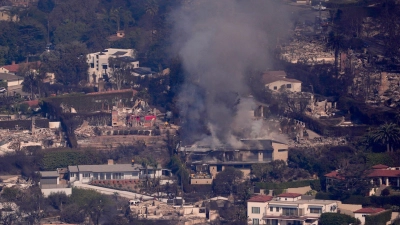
{"points": [[388, 133]]}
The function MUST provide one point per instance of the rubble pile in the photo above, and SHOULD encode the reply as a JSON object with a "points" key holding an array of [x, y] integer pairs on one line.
{"points": [[15, 181], [11, 140], [85, 130], [308, 52], [392, 94]]}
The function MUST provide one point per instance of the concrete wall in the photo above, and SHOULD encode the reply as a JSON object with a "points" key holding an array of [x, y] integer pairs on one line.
{"points": [[299, 190], [47, 192], [348, 209], [201, 181], [280, 151], [14, 82]]}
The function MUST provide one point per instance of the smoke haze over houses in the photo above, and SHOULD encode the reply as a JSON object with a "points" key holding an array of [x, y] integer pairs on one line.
{"points": [[218, 42]]}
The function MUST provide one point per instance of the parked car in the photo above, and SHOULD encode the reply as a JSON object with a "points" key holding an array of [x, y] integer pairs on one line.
{"points": [[3, 90]]}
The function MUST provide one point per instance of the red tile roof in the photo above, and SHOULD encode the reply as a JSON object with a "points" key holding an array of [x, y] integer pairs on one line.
{"points": [[370, 210], [289, 195], [260, 198], [335, 175], [32, 103], [13, 68], [384, 173], [380, 166]]}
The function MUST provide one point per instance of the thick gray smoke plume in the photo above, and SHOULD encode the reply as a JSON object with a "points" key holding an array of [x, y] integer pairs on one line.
{"points": [[219, 41]]}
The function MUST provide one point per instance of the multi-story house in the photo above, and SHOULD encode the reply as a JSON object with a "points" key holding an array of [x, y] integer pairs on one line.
{"points": [[99, 66], [287, 209], [206, 162]]}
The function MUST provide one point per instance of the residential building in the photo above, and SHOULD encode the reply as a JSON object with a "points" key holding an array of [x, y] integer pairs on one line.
{"points": [[50, 182], [206, 162], [111, 171], [287, 209], [362, 213], [98, 62], [14, 68], [11, 79], [379, 175], [256, 207], [6, 14], [275, 80]]}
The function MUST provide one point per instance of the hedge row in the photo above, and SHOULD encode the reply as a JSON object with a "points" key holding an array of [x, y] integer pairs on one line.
{"points": [[286, 185], [376, 201], [379, 219]]}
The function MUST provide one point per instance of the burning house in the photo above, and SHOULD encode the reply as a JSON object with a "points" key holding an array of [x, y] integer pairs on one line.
{"points": [[206, 161]]}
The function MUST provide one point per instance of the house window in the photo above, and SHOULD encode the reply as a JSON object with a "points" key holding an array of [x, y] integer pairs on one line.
{"points": [[255, 210], [256, 221], [86, 175], [101, 176], [275, 88], [105, 67], [135, 174], [272, 222], [289, 212], [288, 86], [118, 176], [277, 209], [91, 65], [271, 209], [95, 176], [316, 210], [72, 175], [108, 176]]}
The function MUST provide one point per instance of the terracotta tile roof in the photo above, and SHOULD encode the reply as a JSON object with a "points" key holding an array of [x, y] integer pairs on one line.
{"points": [[380, 166], [289, 195], [384, 173], [370, 210], [335, 175], [32, 103], [260, 198], [13, 68]]}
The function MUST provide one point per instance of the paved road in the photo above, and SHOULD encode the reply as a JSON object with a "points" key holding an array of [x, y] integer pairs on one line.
{"points": [[109, 191]]}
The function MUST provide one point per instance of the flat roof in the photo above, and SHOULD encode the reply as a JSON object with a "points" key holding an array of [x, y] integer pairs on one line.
{"points": [[49, 173], [105, 168], [10, 77]]}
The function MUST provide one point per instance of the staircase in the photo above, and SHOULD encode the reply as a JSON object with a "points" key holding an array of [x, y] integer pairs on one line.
{"points": [[379, 190]]}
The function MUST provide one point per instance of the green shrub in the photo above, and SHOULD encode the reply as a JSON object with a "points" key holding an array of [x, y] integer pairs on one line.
{"points": [[285, 185], [278, 191], [378, 219], [336, 219]]}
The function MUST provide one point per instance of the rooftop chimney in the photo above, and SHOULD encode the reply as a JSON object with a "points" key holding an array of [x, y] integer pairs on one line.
{"points": [[13, 63], [110, 162]]}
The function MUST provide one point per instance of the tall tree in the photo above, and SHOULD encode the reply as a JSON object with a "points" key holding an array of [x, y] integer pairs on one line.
{"points": [[388, 134]]}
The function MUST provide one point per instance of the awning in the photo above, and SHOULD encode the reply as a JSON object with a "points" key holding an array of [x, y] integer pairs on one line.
{"points": [[315, 206], [284, 206]]}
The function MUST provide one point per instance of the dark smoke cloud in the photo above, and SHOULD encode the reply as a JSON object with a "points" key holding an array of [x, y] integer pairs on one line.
{"points": [[218, 41]]}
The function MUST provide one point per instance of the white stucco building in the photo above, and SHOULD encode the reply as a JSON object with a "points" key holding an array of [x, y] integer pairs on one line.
{"points": [[87, 173], [287, 209], [275, 80], [98, 61]]}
